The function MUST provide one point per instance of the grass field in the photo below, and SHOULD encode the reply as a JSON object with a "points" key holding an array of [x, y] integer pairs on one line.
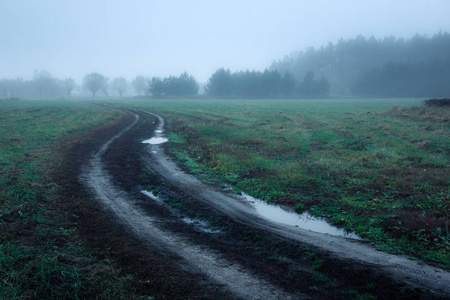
{"points": [[41, 253], [376, 167], [362, 164]]}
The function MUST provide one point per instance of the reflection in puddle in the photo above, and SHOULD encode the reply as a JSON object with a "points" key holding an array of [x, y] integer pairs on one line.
{"points": [[201, 225], [304, 221], [155, 140], [151, 195]]}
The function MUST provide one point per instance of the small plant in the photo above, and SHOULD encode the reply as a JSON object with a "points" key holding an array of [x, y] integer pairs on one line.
{"points": [[319, 277], [317, 264], [299, 208]]}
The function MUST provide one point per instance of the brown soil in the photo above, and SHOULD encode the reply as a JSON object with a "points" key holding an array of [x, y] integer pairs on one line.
{"points": [[273, 262]]}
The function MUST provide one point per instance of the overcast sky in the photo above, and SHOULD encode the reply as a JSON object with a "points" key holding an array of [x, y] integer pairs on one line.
{"points": [[167, 37]]}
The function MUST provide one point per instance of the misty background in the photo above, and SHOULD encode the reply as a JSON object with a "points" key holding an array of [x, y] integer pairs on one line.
{"points": [[315, 48]]}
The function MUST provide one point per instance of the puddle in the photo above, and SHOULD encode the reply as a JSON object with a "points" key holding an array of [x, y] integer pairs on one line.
{"points": [[201, 225], [151, 195], [155, 140], [304, 221], [159, 137]]}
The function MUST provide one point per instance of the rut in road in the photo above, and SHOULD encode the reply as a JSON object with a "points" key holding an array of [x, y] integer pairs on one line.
{"points": [[235, 278]]}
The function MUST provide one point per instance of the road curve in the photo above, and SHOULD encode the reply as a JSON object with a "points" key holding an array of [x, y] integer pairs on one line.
{"points": [[236, 279]]}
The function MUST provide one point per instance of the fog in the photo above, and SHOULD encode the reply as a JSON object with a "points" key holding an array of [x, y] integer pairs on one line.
{"points": [[161, 38]]}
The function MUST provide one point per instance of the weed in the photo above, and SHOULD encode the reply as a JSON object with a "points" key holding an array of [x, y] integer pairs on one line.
{"points": [[319, 277], [299, 208], [317, 264]]}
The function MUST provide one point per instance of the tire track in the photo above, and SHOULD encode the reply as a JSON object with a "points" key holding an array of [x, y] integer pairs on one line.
{"points": [[239, 281]]}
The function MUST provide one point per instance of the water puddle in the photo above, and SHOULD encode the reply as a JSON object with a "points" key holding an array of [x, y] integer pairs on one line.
{"points": [[156, 140], [152, 196], [304, 221], [200, 225], [159, 137]]}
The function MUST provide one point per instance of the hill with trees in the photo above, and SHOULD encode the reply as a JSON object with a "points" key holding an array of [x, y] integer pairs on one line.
{"points": [[389, 67]]}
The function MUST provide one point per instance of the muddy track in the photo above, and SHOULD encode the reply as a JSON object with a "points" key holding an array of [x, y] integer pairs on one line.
{"points": [[214, 234]]}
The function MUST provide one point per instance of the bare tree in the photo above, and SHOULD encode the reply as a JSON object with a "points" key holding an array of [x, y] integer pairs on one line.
{"points": [[68, 85], [120, 84], [140, 84], [94, 82]]}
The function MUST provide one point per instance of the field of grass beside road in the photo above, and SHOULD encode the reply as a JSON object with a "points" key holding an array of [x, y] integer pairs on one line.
{"points": [[41, 253], [364, 165]]}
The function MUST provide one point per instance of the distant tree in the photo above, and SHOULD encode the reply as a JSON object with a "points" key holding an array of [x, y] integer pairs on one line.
{"points": [[322, 86], [306, 87], [220, 83], [105, 87], [313, 88], [188, 85], [94, 82], [184, 85], [68, 85], [288, 85], [156, 87], [140, 84], [45, 84], [120, 84], [270, 84]]}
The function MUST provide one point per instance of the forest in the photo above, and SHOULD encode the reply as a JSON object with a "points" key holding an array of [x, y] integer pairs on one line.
{"points": [[267, 84], [387, 67]]}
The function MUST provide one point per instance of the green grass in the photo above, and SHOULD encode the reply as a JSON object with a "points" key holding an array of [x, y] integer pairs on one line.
{"points": [[41, 253], [362, 164]]}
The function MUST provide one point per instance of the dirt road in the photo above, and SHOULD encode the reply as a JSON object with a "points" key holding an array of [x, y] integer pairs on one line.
{"points": [[218, 238]]}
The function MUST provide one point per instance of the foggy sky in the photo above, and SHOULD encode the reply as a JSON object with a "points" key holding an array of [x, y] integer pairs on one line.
{"points": [[168, 37]]}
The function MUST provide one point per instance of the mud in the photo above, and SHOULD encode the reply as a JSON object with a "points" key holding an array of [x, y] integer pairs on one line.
{"points": [[218, 244]]}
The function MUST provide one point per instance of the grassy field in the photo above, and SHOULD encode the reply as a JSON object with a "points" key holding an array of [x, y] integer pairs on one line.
{"points": [[377, 167], [362, 164], [41, 253]]}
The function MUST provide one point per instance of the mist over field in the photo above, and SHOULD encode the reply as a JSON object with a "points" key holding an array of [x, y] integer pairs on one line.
{"points": [[240, 149], [317, 48]]}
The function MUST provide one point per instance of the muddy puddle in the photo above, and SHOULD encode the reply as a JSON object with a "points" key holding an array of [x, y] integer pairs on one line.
{"points": [[199, 225], [304, 220], [155, 140], [159, 138]]}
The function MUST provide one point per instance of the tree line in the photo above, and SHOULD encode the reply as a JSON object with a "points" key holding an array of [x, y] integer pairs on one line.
{"points": [[387, 67], [267, 84], [183, 85], [44, 85]]}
